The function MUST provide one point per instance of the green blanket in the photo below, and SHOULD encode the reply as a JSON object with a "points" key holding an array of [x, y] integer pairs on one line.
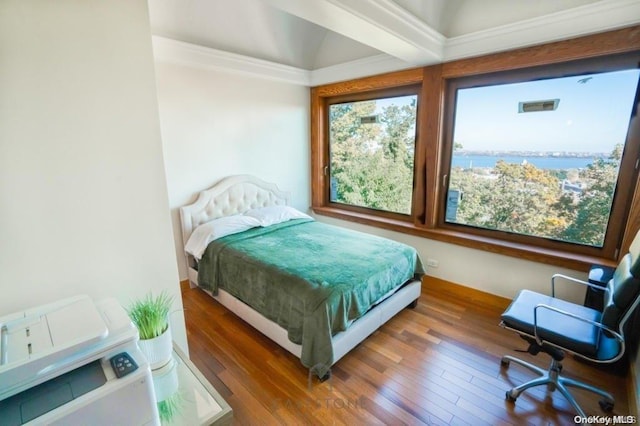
{"points": [[311, 278]]}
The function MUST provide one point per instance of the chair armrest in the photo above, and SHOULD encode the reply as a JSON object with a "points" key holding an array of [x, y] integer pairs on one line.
{"points": [[572, 279], [615, 334]]}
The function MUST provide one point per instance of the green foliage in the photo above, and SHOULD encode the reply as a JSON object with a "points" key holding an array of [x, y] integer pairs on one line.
{"points": [[514, 198], [151, 315], [520, 198], [591, 214], [170, 407], [373, 164]]}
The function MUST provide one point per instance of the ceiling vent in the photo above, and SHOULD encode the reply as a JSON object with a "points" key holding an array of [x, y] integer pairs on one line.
{"points": [[535, 106]]}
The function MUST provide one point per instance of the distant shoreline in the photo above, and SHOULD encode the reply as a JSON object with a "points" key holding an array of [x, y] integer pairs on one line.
{"points": [[555, 162], [533, 154]]}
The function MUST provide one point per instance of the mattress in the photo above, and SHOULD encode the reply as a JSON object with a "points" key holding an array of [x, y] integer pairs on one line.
{"points": [[311, 278]]}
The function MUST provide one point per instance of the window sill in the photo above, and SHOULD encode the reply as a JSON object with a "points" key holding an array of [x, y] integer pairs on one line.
{"points": [[522, 251]]}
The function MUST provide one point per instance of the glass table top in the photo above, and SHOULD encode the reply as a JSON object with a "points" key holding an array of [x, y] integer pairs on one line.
{"points": [[184, 395]]}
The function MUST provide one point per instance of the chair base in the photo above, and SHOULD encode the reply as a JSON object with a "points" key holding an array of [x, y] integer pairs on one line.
{"points": [[555, 381]]}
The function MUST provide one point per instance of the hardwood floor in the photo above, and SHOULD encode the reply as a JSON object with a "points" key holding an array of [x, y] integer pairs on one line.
{"points": [[437, 364]]}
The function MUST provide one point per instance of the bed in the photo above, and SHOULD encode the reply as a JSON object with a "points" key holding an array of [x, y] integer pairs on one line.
{"points": [[279, 278]]}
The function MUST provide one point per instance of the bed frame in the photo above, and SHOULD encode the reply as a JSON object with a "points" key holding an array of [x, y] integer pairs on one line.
{"points": [[236, 195]]}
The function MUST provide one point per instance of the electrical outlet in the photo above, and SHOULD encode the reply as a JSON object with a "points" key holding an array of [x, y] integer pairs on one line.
{"points": [[432, 263]]}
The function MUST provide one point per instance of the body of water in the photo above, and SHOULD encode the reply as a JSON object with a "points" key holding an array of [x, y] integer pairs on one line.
{"points": [[554, 163]]}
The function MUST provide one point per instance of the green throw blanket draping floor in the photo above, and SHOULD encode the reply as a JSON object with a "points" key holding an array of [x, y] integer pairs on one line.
{"points": [[311, 278]]}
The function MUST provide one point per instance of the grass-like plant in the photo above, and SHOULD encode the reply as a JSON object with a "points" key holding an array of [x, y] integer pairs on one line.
{"points": [[171, 406], [151, 315]]}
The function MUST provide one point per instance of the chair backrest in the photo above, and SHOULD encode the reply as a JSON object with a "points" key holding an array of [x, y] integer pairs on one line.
{"points": [[623, 289]]}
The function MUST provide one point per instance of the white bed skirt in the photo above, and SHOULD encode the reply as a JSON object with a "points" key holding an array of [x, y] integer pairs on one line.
{"points": [[342, 342]]}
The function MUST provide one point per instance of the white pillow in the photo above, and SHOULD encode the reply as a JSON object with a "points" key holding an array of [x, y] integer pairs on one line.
{"points": [[217, 228], [276, 214]]}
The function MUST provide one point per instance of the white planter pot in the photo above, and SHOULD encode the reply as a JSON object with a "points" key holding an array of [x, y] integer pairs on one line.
{"points": [[165, 380], [157, 350]]}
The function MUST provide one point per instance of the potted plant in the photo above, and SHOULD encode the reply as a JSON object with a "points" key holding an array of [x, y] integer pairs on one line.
{"points": [[151, 317], [169, 397]]}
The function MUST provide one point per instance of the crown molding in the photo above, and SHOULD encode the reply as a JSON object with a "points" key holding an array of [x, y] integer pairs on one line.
{"points": [[389, 17], [377, 23], [426, 32], [584, 20], [178, 52], [592, 18], [193, 55], [371, 65]]}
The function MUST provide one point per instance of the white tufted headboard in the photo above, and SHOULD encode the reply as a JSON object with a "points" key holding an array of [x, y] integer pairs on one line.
{"points": [[232, 195]]}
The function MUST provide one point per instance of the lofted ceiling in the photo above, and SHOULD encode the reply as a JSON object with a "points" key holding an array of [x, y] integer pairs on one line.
{"points": [[454, 18], [319, 34], [253, 28]]}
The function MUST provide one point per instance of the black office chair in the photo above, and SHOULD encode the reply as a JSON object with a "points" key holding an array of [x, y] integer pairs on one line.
{"points": [[555, 326]]}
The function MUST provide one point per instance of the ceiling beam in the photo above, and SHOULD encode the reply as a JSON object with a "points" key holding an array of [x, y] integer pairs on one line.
{"points": [[381, 24]]}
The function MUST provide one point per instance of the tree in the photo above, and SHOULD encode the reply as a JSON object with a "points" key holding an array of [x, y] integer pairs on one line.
{"points": [[372, 164], [591, 214], [398, 140], [515, 198], [523, 199]]}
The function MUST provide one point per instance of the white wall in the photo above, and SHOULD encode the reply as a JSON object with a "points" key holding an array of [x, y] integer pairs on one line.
{"points": [[83, 201], [215, 124]]}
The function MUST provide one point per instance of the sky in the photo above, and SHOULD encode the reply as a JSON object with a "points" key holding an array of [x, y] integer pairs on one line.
{"points": [[591, 117], [397, 100]]}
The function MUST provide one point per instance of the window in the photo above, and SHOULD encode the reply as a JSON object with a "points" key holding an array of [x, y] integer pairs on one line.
{"points": [[540, 157], [371, 150], [529, 153]]}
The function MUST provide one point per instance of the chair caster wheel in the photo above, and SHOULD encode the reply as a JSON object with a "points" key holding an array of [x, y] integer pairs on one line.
{"points": [[605, 405], [509, 398]]}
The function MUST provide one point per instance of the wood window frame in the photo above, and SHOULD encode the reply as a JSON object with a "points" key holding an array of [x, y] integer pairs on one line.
{"points": [[367, 88], [622, 197], [403, 90], [430, 152]]}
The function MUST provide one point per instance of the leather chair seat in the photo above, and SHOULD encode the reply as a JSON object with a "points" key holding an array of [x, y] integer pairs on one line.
{"points": [[572, 334]]}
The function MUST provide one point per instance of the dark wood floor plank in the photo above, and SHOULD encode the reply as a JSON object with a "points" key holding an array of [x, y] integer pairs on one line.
{"points": [[383, 416], [370, 393], [438, 364]]}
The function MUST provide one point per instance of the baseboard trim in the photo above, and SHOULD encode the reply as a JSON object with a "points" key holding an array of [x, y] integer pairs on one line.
{"points": [[433, 284]]}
